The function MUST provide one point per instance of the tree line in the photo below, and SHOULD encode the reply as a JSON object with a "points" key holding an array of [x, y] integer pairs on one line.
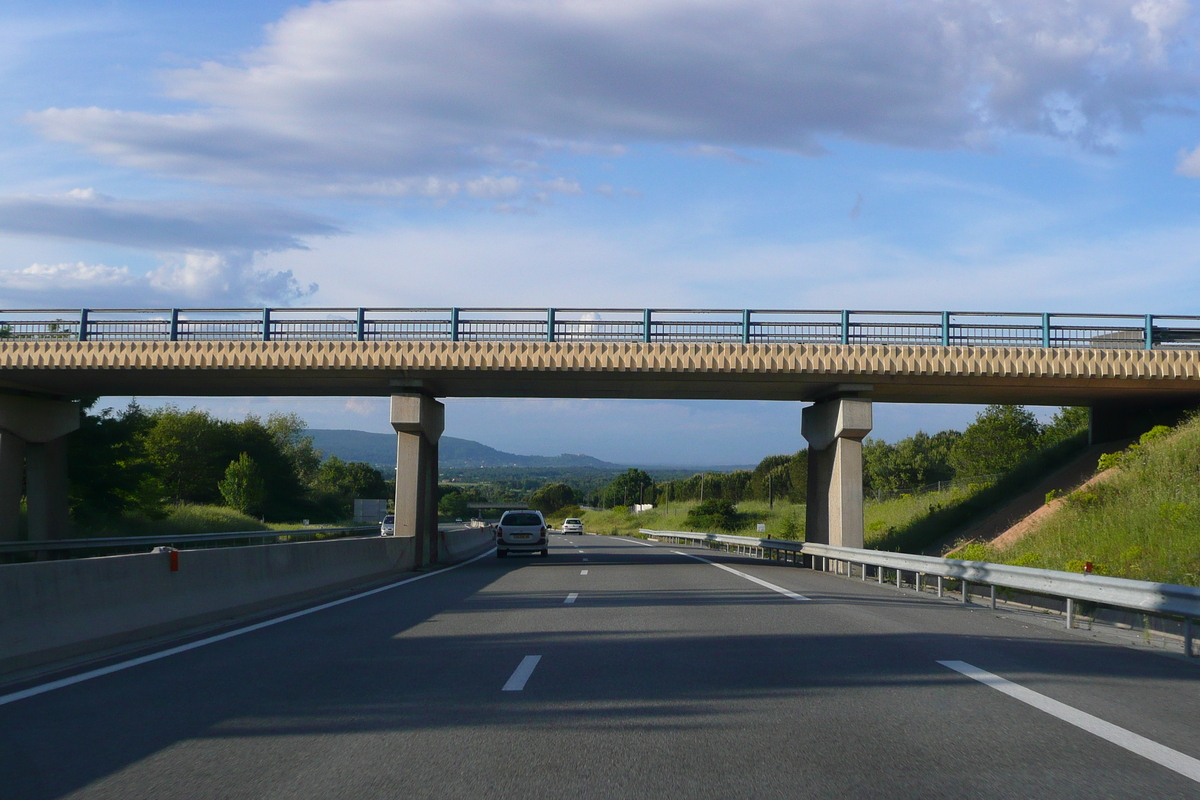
{"points": [[144, 461], [1000, 438]]}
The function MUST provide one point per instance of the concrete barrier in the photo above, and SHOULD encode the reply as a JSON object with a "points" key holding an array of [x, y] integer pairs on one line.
{"points": [[54, 610]]}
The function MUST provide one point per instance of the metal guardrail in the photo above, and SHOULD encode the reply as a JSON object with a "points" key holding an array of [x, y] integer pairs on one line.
{"points": [[745, 326], [1146, 597], [139, 542]]}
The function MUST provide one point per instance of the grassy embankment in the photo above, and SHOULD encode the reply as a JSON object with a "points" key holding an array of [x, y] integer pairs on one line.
{"points": [[883, 520], [1142, 521], [182, 520]]}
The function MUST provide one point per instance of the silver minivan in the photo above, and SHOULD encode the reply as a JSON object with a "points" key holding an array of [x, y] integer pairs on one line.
{"points": [[521, 532]]}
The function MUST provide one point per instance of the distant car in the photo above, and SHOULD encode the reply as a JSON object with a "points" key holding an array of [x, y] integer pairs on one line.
{"points": [[388, 526], [521, 532], [572, 526]]}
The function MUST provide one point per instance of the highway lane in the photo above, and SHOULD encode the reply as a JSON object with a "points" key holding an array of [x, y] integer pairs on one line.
{"points": [[665, 675]]}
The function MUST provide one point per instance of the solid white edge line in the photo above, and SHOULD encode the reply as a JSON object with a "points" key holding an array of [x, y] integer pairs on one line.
{"points": [[635, 541], [751, 578], [220, 637], [1160, 754], [571, 597], [520, 676]]}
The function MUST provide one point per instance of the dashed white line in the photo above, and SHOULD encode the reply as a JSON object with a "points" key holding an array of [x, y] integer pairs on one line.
{"points": [[1160, 754], [751, 578], [571, 597], [521, 674], [583, 572], [220, 637]]}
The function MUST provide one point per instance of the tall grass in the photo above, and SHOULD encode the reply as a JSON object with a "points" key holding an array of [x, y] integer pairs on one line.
{"points": [[182, 520], [1143, 522]]}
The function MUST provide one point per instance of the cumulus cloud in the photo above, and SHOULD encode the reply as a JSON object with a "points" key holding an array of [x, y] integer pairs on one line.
{"points": [[195, 279], [387, 96], [87, 215], [1189, 163]]}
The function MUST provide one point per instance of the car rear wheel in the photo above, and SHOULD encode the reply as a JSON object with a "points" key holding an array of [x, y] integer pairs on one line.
{"points": [[545, 552]]}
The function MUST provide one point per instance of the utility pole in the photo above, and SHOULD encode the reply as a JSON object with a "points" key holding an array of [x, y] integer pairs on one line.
{"points": [[770, 494]]}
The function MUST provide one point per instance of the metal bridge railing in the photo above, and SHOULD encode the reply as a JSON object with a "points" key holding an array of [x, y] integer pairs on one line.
{"points": [[745, 326], [1144, 597]]}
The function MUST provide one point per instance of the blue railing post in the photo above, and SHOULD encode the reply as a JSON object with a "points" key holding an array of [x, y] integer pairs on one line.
{"points": [[173, 328], [83, 324], [454, 324], [746, 326], [845, 327], [550, 325], [945, 329], [647, 324], [266, 325], [1149, 331], [1045, 330], [360, 325]]}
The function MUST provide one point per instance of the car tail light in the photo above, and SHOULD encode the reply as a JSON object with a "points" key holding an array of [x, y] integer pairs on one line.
{"points": [[543, 530], [499, 531]]}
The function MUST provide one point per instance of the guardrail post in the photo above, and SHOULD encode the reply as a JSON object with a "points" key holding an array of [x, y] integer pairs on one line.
{"points": [[550, 325], [1070, 612], [454, 324], [945, 329], [647, 313], [266, 325], [83, 324], [173, 328], [1149, 331], [845, 327], [746, 326], [1045, 330], [360, 325]]}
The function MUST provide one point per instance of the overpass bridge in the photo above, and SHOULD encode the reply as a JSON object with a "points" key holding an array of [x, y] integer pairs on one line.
{"points": [[1121, 366]]}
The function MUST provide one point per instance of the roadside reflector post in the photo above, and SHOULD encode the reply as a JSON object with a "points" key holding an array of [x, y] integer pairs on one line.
{"points": [[940, 586], [993, 596], [1070, 612], [174, 561], [1187, 638], [966, 591], [919, 581], [899, 579]]}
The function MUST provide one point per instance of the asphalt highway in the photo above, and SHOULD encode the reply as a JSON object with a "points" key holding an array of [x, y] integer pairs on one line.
{"points": [[618, 669]]}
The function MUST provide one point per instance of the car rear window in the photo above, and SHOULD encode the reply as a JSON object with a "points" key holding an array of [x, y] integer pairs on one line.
{"points": [[389, 520], [573, 522], [521, 519]]}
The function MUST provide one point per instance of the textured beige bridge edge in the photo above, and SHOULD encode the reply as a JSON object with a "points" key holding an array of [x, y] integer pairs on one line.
{"points": [[1122, 386]]}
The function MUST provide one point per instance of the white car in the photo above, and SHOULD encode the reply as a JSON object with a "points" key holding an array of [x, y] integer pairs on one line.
{"points": [[521, 532], [572, 525], [388, 526]]}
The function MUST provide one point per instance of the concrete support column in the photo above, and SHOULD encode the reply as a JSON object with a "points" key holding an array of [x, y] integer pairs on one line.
{"points": [[12, 480], [46, 489], [834, 430], [418, 421], [33, 441]]}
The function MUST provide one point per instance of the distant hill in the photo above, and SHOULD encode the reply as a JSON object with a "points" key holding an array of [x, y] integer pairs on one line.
{"points": [[379, 450]]}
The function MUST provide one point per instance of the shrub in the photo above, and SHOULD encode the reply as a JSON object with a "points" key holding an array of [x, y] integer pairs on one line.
{"points": [[714, 513], [1053, 495]]}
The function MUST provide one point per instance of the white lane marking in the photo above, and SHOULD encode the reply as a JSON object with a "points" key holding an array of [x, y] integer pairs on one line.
{"points": [[1160, 754], [751, 578], [636, 541], [521, 674], [583, 572], [571, 597], [220, 637]]}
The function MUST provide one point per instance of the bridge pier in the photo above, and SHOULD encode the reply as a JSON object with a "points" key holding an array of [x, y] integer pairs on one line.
{"points": [[33, 458], [834, 430], [418, 421]]}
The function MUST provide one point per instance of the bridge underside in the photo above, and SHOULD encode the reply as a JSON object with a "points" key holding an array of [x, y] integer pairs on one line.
{"points": [[1032, 376]]}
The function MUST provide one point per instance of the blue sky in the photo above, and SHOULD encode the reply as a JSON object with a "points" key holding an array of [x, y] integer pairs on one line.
{"points": [[962, 154]]}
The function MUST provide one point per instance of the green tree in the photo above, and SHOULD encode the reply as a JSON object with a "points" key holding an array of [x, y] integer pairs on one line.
{"points": [[552, 497], [107, 467], [631, 486], [289, 434], [1067, 422], [911, 463], [1000, 438], [243, 488], [453, 505], [187, 451]]}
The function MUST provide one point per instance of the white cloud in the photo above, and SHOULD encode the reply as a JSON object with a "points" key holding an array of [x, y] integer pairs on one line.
{"points": [[87, 215], [193, 279], [387, 96], [1189, 163]]}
